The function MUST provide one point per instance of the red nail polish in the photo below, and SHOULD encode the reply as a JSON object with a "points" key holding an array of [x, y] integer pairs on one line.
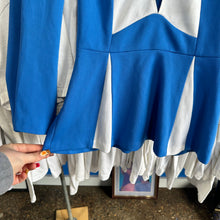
{"points": [[37, 165]]}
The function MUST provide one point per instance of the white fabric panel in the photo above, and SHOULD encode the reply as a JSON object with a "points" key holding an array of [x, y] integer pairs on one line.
{"points": [[183, 14], [4, 21], [207, 176], [174, 169], [218, 133], [199, 170], [138, 165], [65, 62], [1, 137], [67, 51], [181, 125], [79, 169], [162, 163], [203, 187], [94, 164], [150, 160], [71, 169], [126, 12], [126, 162], [3, 5], [216, 165], [190, 164], [70, 18], [107, 161], [31, 190], [103, 133]]}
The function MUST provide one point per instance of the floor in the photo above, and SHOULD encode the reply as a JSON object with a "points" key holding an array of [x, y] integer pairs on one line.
{"points": [[177, 204]]}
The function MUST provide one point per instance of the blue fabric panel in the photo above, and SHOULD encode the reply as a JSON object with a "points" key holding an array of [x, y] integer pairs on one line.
{"points": [[158, 4], [209, 32], [94, 21], [74, 128], [146, 90], [153, 32], [32, 63], [206, 107]]}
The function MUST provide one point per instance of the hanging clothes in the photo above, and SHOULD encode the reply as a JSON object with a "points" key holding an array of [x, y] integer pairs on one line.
{"points": [[144, 161], [129, 75]]}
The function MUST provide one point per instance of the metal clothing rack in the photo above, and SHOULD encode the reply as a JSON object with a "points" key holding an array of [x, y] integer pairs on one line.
{"points": [[217, 198], [63, 182], [80, 213]]}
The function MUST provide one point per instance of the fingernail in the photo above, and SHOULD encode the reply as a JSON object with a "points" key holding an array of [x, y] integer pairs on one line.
{"points": [[45, 153], [37, 164]]}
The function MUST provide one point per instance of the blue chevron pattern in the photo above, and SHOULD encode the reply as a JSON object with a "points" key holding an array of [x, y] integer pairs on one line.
{"points": [[148, 48]]}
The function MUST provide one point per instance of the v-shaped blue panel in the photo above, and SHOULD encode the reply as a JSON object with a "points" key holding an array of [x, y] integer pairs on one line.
{"points": [[158, 4]]}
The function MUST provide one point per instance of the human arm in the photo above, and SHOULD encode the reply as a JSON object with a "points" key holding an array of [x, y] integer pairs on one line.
{"points": [[15, 161], [6, 173]]}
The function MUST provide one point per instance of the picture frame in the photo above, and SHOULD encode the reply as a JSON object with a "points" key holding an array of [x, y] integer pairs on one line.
{"points": [[123, 189]]}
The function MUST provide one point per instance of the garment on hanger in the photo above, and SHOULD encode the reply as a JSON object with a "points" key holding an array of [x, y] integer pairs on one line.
{"points": [[104, 162], [143, 161], [135, 64], [147, 77]]}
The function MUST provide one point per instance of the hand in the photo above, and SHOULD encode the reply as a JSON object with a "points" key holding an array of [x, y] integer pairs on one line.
{"points": [[23, 157]]}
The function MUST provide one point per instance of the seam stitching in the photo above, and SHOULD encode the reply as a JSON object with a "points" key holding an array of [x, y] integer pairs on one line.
{"points": [[130, 51]]}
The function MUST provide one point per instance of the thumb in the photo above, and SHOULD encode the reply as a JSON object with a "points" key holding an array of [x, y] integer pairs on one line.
{"points": [[33, 157]]}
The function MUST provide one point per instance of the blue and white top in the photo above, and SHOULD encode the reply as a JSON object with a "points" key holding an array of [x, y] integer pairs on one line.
{"points": [[144, 69]]}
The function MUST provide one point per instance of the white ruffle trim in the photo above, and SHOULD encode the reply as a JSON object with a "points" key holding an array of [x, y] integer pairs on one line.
{"points": [[142, 162]]}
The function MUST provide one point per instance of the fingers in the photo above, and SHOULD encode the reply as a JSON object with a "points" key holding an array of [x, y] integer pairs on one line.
{"points": [[27, 148], [30, 166], [19, 178], [33, 157]]}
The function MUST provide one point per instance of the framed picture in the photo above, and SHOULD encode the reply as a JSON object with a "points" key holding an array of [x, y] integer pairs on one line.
{"points": [[122, 188]]}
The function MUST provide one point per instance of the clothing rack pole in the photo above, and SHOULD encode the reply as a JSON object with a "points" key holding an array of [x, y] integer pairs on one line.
{"points": [[217, 198], [63, 182]]}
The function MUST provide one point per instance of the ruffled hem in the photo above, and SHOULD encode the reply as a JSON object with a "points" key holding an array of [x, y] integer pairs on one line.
{"points": [[143, 163]]}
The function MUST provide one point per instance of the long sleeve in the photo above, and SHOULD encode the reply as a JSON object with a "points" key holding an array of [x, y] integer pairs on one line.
{"points": [[32, 59], [6, 174]]}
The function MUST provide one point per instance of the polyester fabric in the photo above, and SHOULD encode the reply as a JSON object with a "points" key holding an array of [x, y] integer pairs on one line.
{"points": [[150, 52], [32, 63]]}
